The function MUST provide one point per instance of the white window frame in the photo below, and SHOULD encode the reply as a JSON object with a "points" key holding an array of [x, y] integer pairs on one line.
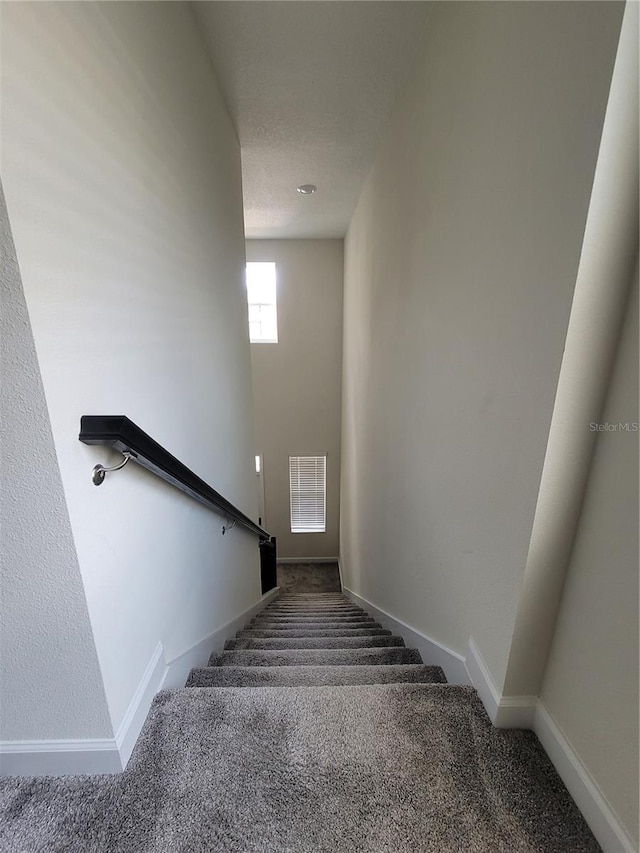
{"points": [[308, 493], [267, 309]]}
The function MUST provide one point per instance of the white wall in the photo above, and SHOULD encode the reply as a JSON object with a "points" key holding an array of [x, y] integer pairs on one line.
{"points": [[460, 264], [297, 383], [50, 682], [608, 258], [591, 680], [122, 180]]}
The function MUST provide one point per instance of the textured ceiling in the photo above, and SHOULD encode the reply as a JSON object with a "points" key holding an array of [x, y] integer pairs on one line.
{"points": [[310, 87]]}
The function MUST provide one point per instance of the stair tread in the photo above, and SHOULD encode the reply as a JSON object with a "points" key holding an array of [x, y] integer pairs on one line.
{"points": [[332, 617], [313, 611], [312, 606], [317, 632], [256, 676], [313, 642], [311, 626], [282, 657]]}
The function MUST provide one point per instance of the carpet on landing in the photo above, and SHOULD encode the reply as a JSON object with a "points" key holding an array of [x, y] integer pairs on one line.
{"points": [[309, 578], [370, 769]]}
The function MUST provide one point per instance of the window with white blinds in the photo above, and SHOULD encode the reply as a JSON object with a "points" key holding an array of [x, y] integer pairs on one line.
{"points": [[308, 491]]}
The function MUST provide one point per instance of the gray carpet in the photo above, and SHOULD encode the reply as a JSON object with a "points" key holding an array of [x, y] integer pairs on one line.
{"points": [[314, 657], [318, 623], [314, 611], [377, 769], [335, 749], [319, 632], [309, 577], [309, 676], [312, 642], [316, 618]]}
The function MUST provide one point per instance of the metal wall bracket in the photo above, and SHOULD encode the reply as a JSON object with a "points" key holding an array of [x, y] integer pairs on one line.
{"points": [[99, 471], [231, 523]]}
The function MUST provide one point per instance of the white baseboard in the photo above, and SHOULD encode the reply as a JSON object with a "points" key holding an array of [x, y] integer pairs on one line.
{"points": [[59, 757], [286, 560], [505, 712], [136, 713], [603, 821], [110, 755], [340, 575], [433, 653], [529, 712], [179, 667]]}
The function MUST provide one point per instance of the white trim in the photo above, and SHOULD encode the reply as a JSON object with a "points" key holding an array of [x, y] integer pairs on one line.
{"points": [[433, 653], [110, 755], [482, 680], [340, 575], [530, 712], [179, 667], [602, 819], [286, 560], [516, 712], [505, 712], [135, 715], [59, 757]]}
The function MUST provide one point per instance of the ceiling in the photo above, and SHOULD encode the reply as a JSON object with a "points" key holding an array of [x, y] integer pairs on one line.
{"points": [[310, 85]]}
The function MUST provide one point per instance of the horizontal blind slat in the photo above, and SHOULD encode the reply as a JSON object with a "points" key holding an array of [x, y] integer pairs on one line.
{"points": [[307, 488]]}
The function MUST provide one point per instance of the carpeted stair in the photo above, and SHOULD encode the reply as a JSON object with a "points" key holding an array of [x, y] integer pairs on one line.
{"points": [[329, 650], [314, 729]]}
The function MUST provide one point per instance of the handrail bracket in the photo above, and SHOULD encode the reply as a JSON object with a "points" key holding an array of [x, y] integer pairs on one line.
{"points": [[99, 471]]}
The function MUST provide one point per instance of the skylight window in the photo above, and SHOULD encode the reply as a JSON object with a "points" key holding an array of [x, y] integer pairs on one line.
{"points": [[261, 296]]}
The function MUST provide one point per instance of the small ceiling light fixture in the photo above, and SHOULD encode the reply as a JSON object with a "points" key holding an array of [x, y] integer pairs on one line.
{"points": [[307, 189]]}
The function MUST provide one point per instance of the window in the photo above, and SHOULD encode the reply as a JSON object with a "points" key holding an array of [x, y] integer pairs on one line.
{"points": [[261, 296], [307, 488]]}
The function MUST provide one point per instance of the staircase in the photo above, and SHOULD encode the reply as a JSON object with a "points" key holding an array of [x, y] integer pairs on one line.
{"points": [[314, 731], [311, 640]]}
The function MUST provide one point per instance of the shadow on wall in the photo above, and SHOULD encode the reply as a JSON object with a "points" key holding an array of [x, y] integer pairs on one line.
{"points": [[309, 577]]}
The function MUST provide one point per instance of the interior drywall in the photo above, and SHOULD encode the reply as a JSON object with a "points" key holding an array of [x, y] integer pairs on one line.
{"points": [[123, 187], [460, 264], [591, 680], [608, 257], [297, 383], [50, 681]]}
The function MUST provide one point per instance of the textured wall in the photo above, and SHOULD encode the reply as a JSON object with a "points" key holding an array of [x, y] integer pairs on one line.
{"points": [[460, 264], [591, 681], [297, 383], [50, 682], [122, 180]]}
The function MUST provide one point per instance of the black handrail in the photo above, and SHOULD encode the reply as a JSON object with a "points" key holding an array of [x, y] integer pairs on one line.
{"points": [[119, 432]]}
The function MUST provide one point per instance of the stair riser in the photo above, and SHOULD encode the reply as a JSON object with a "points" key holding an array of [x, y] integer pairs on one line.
{"points": [[299, 608], [313, 643], [305, 614], [319, 632], [322, 601], [330, 626], [305, 596], [313, 676], [330, 618], [309, 609], [316, 657]]}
